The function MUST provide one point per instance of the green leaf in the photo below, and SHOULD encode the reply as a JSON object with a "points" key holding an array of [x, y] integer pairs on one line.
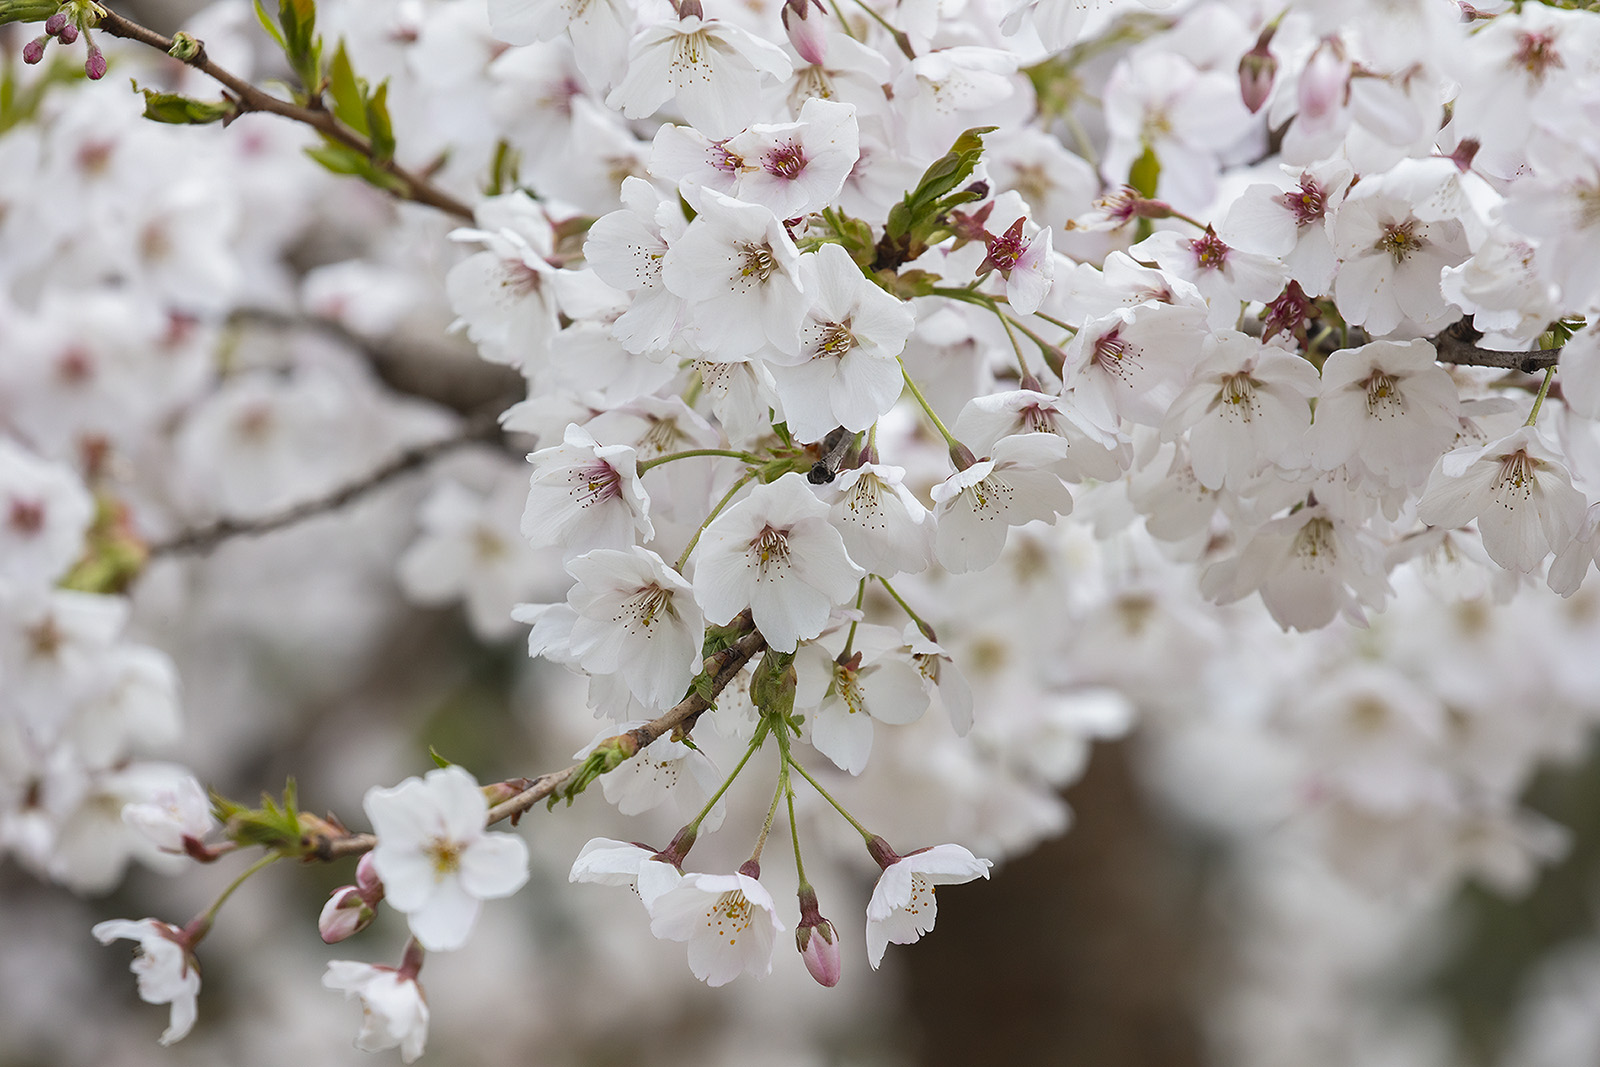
{"points": [[270, 26], [27, 10], [438, 760], [379, 128], [349, 101], [273, 825], [1145, 174], [920, 207], [503, 169], [342, 159], [186, 111]]}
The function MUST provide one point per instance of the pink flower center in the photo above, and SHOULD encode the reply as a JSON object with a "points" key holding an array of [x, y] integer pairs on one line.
{"points": [[724, 160], [1536, 54], [1210, 252], [597, 484], [27, 516], [786, 161], [1399, 240], [1307, 202]]}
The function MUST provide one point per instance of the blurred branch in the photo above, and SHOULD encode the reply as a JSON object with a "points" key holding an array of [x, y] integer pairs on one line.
{"points": [[205, 538], [249, 98], [327, 844]]}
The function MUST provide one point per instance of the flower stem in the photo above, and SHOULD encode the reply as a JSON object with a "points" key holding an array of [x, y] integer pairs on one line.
{"points": [[772, 810], [899, 36], [794, 830], [695, 540], [862, 830], [202, 922], [669, 457], [927, 408], [1538, 401], [850, 638], [755, 743], [927, 631]]}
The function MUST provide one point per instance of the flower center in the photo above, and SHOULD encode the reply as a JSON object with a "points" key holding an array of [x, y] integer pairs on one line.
{"points": [[1313, 545], [1399, 241], [1383, 396], [771, 548], [729, 916], [1517, 474], [27, 516], [1536, 54], [724, 160], [1307, 203], [1238, 392], [597, 484], [646, 604], [757, 262], [1210, 252], [446, 856], [836, 340], [786, 161]]}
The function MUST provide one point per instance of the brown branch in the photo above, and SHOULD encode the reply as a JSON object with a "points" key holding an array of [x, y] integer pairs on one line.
{"points": [[1456, 344], [205, 538], [250, 98], [326, 844]]}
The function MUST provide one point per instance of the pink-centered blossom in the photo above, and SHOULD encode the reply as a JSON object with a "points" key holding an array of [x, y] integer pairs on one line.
{"points": [[585, 495]]}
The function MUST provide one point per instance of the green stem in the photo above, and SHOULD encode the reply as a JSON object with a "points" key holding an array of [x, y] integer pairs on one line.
{"points": [[695, 540], [949, 439], [772, 810], [210, 913], [899, 36], [927, 631], [794, 830], [690, 453], [1538, 401], [838, 9], [1057, 323], [866, 834], [755, 743], [850, 638]]}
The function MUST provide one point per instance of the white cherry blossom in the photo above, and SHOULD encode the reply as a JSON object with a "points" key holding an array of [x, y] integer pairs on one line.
{"points": [[711, 69], [436, 861], [394, 1013], [166, 970], [729, 921], [903, 907]]}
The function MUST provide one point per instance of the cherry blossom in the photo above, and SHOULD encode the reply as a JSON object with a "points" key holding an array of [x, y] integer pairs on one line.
{"points": [[166, 969], [394, 1013], [903, 907], [436, 861], [711, 69], [729, 921]]}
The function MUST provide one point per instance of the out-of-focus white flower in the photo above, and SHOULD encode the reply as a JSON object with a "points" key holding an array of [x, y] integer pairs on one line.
{"points": [[173, 816], [712, 69], [166, 970], [394, 1013]]}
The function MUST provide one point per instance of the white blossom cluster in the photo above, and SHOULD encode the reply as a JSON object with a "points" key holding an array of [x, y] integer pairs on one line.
{"points": [[1214, 393]]}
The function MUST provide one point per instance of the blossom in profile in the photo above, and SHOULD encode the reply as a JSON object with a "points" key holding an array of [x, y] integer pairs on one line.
{"points": [[584, 495], [903, 907], [165, 968], [394, 1012], [437, 862]]}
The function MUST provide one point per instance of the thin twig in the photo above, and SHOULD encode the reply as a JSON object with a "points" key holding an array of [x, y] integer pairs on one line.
{"points": [[722, 667], [205, 538], [250, 98]]}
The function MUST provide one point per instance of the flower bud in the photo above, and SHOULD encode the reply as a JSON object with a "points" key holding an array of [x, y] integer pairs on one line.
{"points": [[344, 915], [33, 51], [95, 65], [1258, 69], [807, 29], [367, 879], [68, 34], [185, 47], [55, 23], [819, 948], [1324, 84]]}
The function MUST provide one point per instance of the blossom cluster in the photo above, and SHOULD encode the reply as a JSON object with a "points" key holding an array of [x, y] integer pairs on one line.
{"points": [[840, 330]]}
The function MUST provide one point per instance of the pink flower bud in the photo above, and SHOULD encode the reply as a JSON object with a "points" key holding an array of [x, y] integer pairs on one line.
{"points": [[55, 23], [1324, 84], [68, 34], [819, 948], [343, 915], [367, 879], [33, 51], [95, 65], [1258, 69], [807, 29]]}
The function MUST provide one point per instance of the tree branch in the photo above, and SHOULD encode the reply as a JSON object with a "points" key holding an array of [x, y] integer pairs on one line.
{"points": [[205, 538], [250, 98], [1456, 344], [327, 844]]}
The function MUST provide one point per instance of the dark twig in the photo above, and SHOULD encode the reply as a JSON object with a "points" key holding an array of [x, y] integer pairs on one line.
{"points": [[204, 538], [1456, 344], [250, 98], [722, 667]]}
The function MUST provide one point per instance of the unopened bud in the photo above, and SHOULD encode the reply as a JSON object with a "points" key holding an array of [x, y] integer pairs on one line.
{"points": [[55, 23], [962, 456], [690, 9], [1258, 69], [819, 948], [808, 34], [185, 47], [344, 915], [33, 51], [95, 65], [1324, 84], [68, 34], [367, 879]]}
